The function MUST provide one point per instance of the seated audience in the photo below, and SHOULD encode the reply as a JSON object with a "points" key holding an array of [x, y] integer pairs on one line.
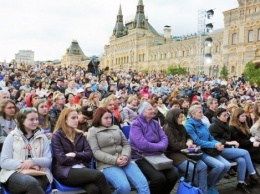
{"points": [[113, 154], [148, 138], [72, 156], [16, 162]]}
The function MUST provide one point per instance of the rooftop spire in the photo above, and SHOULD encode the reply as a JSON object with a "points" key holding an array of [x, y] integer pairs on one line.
{"points": [[140, 17], [140, 2], [120, 10], [119, 27]]}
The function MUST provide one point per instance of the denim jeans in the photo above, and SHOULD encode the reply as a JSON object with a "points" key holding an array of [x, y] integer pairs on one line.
{"points": [[220, 166], [22, 183], [243, 160], [200, 179], [119, 176]]}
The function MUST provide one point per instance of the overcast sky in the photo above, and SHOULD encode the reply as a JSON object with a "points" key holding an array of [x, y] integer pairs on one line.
{"points": [[48, 26]]}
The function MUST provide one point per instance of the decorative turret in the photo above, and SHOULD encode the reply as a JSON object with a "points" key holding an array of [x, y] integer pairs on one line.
{"points": [[140, 20], [119, 27]]}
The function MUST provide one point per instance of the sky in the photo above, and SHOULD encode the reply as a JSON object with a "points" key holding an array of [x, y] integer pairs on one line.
{"points": [[48, 26]]}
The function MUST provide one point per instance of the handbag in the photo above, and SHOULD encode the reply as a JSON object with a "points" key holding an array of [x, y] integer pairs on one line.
{"points": [[193, 153], [159, 162], [32, 172], [185, 186], [211, 151]]}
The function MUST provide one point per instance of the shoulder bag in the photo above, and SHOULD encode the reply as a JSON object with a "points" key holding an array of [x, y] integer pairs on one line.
{"points": [[159, 162]]}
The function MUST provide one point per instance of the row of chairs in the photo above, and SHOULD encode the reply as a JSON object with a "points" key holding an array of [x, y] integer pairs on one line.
{"points": [[63, 188]]}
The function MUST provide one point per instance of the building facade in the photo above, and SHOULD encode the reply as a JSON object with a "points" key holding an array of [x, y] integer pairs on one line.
{"points": [[24, 57], [74, 56], [137, 45]]}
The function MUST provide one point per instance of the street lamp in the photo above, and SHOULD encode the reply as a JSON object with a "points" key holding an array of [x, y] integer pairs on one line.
{"points": [[210, 14], [208, 58], [208, 42]]}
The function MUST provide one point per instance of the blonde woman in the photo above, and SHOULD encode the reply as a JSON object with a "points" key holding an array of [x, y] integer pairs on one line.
{"points": [[130, 111], [93, 101], [57, 107], [72, 155]]}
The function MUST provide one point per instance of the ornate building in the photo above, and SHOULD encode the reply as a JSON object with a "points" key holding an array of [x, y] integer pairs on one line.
{"points": [[137, 45], [74, 56]]}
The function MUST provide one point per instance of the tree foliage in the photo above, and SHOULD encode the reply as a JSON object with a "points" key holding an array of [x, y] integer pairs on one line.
{"points": [[173, 70], [224, 72], [252, 73]]}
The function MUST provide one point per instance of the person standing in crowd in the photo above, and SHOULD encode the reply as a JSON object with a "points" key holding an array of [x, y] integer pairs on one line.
{"points": [[241, 133], [219, 129], [201, 136], [147, 138], [44, 118], [179, 139], [36, 155], [114, 157], [212, 104], [72, 155]]}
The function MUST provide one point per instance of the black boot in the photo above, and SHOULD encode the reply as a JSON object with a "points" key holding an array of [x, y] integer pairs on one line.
{"points": [[254, 178], [242, 187]]}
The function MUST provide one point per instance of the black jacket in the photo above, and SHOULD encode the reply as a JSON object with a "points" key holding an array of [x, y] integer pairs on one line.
{"points": [[209, 114], [241, 138], [220, 131]]}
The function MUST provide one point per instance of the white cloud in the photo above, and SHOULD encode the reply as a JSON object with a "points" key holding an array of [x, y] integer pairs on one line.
{"points": [[48, 27]]}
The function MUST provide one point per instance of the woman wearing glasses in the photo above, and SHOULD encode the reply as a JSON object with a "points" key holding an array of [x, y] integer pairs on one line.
{"points": [[26, 147], [8, 111]]}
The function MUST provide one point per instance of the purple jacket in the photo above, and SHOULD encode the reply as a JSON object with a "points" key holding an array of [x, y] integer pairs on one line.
{"points": [[147, 138], [61, 145]]}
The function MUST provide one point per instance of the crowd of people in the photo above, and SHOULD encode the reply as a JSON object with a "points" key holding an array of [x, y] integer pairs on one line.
{"points": [[58, 120]]}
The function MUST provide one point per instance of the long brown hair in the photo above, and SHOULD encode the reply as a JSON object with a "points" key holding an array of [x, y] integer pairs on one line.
{"points": [[3, 105], [61, 124], [46, 117], [234, 121]]}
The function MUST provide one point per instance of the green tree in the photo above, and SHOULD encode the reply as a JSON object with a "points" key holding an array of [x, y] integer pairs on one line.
{"points": [[224, 72], [173, 70], [252, 73]]}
